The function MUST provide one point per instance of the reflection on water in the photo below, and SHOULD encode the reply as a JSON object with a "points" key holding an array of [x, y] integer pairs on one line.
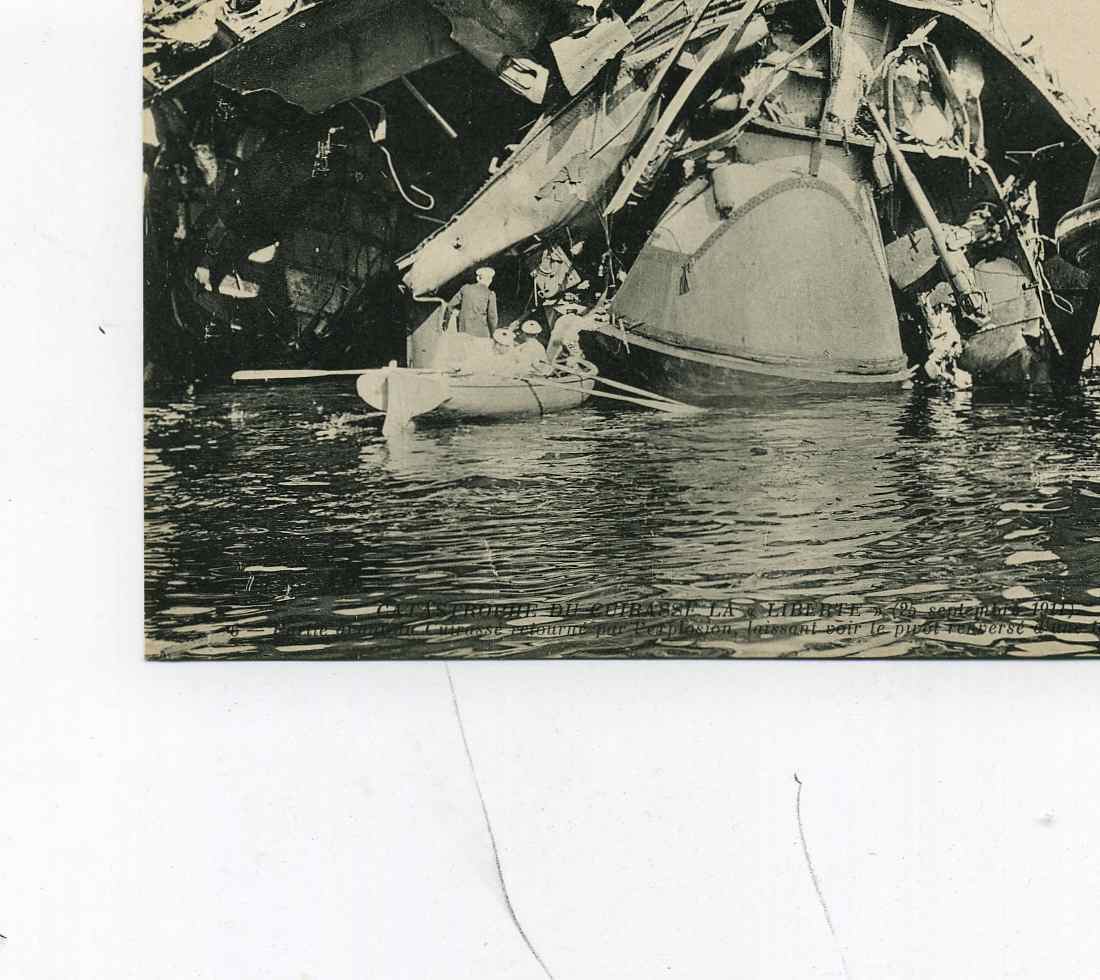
{"points": [[281, 524]]}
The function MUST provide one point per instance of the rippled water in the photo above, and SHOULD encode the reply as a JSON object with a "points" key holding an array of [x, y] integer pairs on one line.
{"points": [[280, 523]]}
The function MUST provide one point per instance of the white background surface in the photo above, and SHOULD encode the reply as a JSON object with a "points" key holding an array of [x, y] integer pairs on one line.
{"points": [[320, 821]]}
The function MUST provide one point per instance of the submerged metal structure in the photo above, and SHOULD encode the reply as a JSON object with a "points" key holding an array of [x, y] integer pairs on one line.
{"points": [[736, 195]]}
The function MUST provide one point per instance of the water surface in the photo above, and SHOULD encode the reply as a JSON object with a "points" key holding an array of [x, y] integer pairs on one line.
{"points": [[280, 523]]}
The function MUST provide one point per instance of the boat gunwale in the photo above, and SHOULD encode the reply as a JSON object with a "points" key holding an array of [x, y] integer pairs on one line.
{"points": [[521, 383]]}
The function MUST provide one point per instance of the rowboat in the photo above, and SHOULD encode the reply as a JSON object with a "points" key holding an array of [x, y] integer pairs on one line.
{"points": [[405, 394]]}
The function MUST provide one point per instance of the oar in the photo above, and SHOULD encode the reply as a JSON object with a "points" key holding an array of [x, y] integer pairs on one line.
{"points": [[301, 374], [673, 408], [652, 395], [290, 374]]}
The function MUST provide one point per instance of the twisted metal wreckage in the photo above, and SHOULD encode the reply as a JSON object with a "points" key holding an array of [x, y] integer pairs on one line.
{"points": [[733, 195]]}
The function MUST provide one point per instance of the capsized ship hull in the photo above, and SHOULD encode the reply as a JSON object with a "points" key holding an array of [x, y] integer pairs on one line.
{"points": [[761, 270]]}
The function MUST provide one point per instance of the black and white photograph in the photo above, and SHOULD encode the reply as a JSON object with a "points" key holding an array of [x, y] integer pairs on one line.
{"points": [[571, 489], [522, 329]]}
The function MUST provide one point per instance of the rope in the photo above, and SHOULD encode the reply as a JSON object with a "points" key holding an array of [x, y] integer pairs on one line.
{"points": [[542, 409], [489, 826], [1059, 301]]}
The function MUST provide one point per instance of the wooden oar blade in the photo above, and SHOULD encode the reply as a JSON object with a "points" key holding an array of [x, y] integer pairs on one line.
{"points": [[372, 388], [291, 374], [402, 394]]}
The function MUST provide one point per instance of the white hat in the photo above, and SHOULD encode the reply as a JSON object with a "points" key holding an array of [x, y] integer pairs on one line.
{"points": [[531, 327], [486, 270]]}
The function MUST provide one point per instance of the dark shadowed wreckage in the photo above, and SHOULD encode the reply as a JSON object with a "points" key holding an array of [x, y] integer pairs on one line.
{"points": [[735, 196]]}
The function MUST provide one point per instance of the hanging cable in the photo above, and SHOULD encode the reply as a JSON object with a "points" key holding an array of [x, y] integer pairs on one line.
{"points": [[1059, 301], [377, 138], [430, 206]]}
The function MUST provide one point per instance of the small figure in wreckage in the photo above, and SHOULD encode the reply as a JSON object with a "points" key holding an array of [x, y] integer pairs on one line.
{"points": [[944, 348], [564, 346]]}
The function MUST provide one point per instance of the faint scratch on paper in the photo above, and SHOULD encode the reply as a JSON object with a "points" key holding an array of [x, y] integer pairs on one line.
{"points": [[489, 826], [813, 875]]}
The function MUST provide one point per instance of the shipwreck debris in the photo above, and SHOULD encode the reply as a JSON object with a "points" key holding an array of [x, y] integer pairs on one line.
{"points": [[737, 194]]}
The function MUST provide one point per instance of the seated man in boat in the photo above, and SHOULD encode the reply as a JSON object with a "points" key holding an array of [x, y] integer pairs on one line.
{"points": [[516, 352], [504, 339], [528, 353]]}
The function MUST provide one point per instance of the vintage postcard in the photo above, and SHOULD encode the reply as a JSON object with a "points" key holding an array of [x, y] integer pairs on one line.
{"points": [[620, 328]]}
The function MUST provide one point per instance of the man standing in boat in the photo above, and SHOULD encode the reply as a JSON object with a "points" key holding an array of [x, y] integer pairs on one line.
{"points": [[476, 306]]}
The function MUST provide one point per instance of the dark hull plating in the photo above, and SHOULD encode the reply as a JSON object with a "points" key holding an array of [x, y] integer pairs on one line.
{"points": [[699, 377]]}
